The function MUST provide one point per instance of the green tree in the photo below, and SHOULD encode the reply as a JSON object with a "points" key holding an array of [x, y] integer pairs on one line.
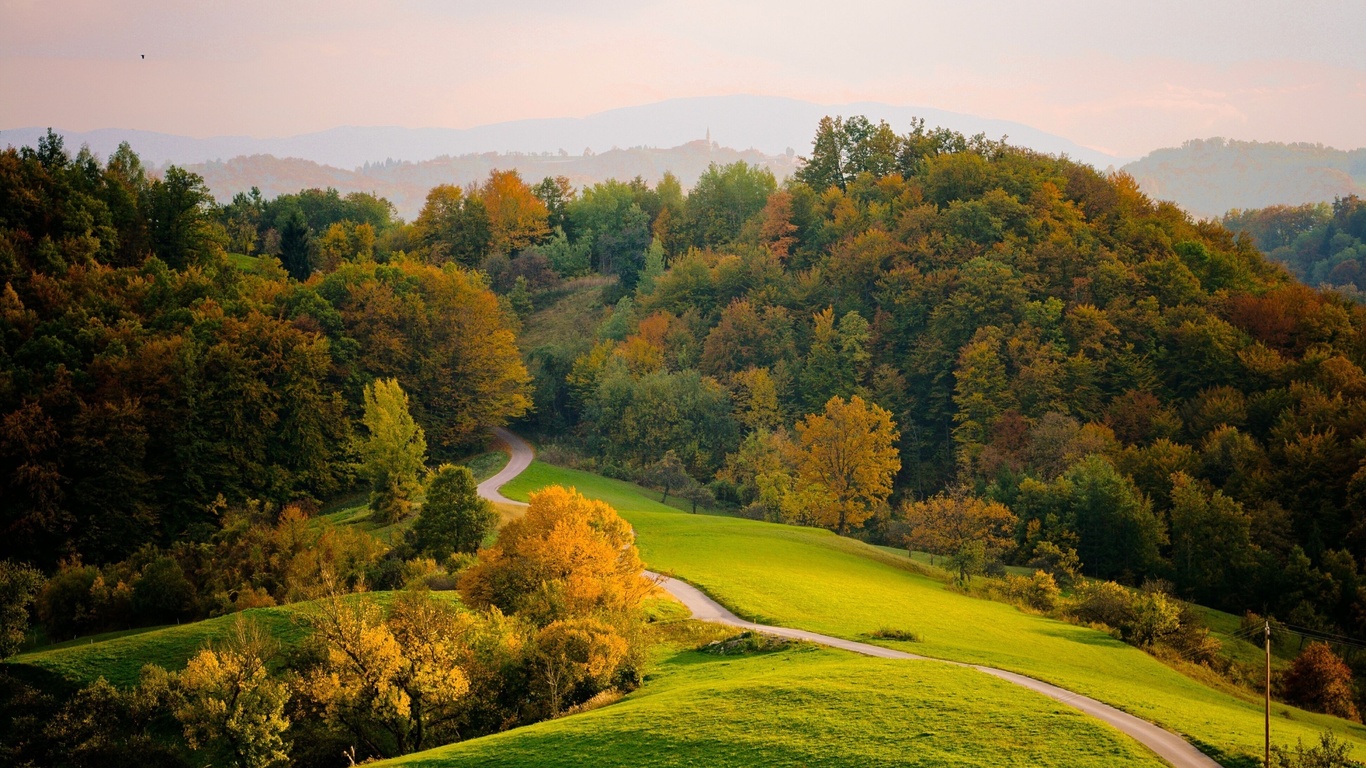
{"points": [[179, 209], [1211, 537], [294, 246], [1119, 535], [393, 454], [453, 517], [19, 586], [667, 474], [724, 199]]}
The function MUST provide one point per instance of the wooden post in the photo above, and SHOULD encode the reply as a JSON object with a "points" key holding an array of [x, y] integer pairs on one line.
{"points": [[1268, 694]]}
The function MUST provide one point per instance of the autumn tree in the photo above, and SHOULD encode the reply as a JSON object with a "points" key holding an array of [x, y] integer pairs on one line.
{"points": [[967, 529], [517, 217], [1321, 681], [849, 451], [229, 704], [453, 517], [394, 452], [567, 556], [392, 682], [573, 654]]}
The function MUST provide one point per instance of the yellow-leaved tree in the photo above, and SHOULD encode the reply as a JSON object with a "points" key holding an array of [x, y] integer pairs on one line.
{"points": [[847, 453], [391, 681], [228, 703], [568, 556], [394, 452]]}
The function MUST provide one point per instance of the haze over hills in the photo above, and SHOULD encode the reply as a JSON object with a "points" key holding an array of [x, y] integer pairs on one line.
{"points": [[769, 124], [1213, 176], [406, 184]]}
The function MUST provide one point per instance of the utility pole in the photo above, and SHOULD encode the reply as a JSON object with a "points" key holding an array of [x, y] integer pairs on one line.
{"points": [[1268, 694]]}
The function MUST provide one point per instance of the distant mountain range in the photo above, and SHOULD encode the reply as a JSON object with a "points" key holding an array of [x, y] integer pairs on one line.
{"points": [[1213, 176], [768, 124]]}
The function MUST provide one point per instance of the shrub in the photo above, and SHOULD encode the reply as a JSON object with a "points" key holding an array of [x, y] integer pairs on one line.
{"points": [[1321, 681], [1039, 591], [904, 635]]}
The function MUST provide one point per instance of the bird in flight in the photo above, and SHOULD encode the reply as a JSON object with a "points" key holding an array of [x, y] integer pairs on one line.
{"points": [[144, 55]]}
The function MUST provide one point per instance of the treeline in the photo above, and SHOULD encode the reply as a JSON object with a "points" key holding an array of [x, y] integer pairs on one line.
{"points": [[145, 373], [1141, 391], [1323, 245]]}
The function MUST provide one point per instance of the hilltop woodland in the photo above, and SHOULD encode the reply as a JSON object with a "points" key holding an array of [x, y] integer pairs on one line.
{"points": [[1322, 245], [923, 340]]}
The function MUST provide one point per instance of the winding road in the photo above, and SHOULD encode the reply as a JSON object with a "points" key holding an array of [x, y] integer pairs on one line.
{"points": [[1164, 743]]}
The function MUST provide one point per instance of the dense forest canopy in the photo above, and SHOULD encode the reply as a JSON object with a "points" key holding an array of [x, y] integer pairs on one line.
{"points": [[1138, 387], [1141, 390], [143, 374]]}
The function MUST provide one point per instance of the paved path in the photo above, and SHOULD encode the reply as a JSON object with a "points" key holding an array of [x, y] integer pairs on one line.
{"points": [[521, 454], [1166, 744]]}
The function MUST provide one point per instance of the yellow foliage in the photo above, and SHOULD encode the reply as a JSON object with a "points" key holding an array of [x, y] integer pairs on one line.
{"points": [[568, 556], [517, 218], [850, 452]]}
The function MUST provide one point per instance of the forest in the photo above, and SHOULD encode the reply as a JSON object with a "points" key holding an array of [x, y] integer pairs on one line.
{"points": [[923, 340]]}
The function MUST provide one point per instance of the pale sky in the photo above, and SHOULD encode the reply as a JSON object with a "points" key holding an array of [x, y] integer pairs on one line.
{"points": [[1120, 77]]}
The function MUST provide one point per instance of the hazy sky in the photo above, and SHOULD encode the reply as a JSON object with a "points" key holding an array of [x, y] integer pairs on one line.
{"points": [[1122, 77]]}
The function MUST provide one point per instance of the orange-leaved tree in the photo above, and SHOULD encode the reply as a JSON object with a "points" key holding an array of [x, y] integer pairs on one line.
{"points": [[849, 451], [569, 556], [517, 217], [967, 529]]}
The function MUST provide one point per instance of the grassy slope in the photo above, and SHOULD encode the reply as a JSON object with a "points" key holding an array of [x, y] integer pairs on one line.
{"points": [[815, 580], [119, 656], [807, 707]]}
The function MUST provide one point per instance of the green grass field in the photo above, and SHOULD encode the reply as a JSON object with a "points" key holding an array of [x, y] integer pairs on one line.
{"points": [[812, 579], [119, 656], [807, 706]]}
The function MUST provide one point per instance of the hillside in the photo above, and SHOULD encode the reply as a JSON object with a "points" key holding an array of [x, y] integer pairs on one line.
{"points": [[812, 579], [1211, 177]]}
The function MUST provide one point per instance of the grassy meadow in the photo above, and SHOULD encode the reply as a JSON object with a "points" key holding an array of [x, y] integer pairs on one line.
{"points": [[812, 579], [807, 706]]}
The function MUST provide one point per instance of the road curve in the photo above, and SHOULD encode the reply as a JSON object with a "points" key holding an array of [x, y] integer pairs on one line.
{"points": [[520, 454], [1164, 743]]}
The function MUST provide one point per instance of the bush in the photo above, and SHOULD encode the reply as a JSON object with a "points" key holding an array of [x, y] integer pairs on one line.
{"points": [[1321, 681], [1039, 591], [904, 635], [161, 593]]}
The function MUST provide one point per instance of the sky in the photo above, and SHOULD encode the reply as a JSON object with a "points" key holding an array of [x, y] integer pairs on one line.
{"points": [[1121, 77]]}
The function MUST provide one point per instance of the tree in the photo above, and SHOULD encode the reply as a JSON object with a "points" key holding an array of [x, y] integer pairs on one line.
{"points": [[19, 587], [573, 653], [393, 682], [1211, 536], [850, 452], [395, 451], [667, 474], [724, 198], [453, 517], [453, 226], [228, 702], [1321, 681], [179, 209], [517, 217], [1119, 535], [698, 493], [567, 556], [965, 528], [294, 246]]}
